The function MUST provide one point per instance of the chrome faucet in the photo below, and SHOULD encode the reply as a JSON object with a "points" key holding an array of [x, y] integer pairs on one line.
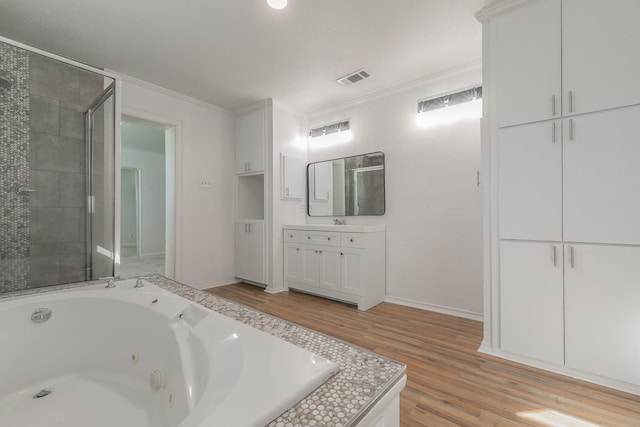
{"points": [[337, 221], [111, 281], [139, 283]]}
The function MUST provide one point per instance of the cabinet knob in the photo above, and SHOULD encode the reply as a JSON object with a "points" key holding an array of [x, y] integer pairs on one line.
{"points": [[316, 251], [351, 240], [342, 253], [329, 238], [319, 251], [297, 249], [309, 237], [291, 236]]}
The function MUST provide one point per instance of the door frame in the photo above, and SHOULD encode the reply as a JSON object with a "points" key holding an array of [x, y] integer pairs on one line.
{"points": [[138, 183]]}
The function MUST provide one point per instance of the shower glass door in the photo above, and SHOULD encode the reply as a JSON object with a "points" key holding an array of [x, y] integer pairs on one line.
{"points": [[100, 185]]}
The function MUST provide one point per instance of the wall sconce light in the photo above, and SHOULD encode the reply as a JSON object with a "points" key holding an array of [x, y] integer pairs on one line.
{"points": [[448, 109], [332, 134]]}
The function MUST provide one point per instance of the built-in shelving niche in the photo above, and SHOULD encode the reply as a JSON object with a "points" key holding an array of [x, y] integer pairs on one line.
{"points": [[251, 196]]}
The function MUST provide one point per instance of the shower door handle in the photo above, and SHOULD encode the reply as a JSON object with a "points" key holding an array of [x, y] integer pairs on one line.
{"points": [[23, 190]]}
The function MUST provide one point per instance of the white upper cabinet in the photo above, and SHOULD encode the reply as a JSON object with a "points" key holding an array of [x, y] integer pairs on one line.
{"points": [[601, 177], [250, 141], [530, 182], [602, 316], [600, 54], [528, 63]]}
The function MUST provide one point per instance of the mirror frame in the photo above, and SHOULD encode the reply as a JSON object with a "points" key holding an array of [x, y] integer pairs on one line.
{"points": [[384, 185]]}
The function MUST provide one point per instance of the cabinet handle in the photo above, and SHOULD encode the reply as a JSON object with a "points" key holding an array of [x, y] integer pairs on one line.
{"points": [[249, 227], [571, 101], [249, 166], [287, 192], [553, 105], [245, 228], [571, 131], [555, 255], [477, 178], [572, 256], [553, 132]]}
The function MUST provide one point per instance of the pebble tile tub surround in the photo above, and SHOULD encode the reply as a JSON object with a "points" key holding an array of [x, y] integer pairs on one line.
{"points": [[363, 377]]}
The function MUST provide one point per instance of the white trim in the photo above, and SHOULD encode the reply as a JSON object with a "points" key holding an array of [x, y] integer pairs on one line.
{"points": [[60, 58], [215, 285], [151, 254], [462, 69], [271, 290], [178, 206], [466, 314], [498, 8], [265, 103], [187, 98], [563, 370]]}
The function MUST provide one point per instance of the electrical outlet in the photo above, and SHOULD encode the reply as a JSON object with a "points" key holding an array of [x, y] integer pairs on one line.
{"points": [[205, 184]]}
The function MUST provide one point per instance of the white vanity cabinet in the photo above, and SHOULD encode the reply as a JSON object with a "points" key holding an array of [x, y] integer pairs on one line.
{"points": [[250, 141], [347, 264]]}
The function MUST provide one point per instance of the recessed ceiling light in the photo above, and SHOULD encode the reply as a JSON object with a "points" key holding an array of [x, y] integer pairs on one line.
{"points": [[277, 4]]}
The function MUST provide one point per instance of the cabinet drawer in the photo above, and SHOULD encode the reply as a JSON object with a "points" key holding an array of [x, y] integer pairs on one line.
{"points": [[353, 240], [321, 238], [291, 236]]}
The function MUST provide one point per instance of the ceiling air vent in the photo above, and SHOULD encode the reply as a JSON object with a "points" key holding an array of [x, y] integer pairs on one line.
{"points": [[354, 77]]}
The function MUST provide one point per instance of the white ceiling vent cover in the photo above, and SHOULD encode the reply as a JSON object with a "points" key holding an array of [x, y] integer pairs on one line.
{"points": [[354, 77]]}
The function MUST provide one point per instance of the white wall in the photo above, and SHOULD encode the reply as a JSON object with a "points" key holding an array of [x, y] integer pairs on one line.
{"points": [[143, 149], [433, 206], [288, 140], [204, 150]]}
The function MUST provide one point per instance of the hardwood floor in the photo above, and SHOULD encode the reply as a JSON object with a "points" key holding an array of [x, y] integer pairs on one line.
{"points": [[448, 382]]}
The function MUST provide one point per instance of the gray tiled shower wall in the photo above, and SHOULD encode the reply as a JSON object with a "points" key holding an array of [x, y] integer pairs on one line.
{"points": [[59, 95], [42, 235]]}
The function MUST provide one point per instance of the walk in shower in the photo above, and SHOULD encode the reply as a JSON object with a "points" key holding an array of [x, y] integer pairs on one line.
{"points": [[57, 139]]}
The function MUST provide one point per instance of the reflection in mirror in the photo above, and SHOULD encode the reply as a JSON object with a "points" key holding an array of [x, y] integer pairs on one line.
{"points": [[350, 186]]}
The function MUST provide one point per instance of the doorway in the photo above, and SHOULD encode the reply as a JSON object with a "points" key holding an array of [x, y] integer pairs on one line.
{"points": [[147, 200]]}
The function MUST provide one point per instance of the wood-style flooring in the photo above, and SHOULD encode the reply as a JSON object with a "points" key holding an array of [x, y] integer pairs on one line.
{"points": [[448, 382]]}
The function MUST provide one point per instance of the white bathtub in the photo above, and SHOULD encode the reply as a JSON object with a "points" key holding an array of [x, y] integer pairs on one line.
{"points": [[95, 358]]}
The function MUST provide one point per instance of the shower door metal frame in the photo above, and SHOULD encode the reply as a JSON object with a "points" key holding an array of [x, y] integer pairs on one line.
{"points": [[89, 182]]}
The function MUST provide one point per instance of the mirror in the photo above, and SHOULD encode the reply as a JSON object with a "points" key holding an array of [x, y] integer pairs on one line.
{"points": [[351, 186]]}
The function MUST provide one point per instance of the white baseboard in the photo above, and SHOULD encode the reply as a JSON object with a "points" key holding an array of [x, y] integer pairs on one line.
{"points": [[436, 308], [215, 285], [270, 290], [152, 254]]}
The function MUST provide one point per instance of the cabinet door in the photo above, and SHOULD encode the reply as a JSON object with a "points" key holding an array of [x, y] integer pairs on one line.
{"points": [[292, 265], [352, 271], [310, 271], [602, 315], [600, 60], [530, 182], [255, 252], [601, 176], [250, 140], [329, 259], [241, 250], [528, 63], [531, 300]]}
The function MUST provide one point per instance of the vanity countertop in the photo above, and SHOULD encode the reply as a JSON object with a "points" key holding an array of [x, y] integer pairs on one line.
{"points": [[348, 228]]}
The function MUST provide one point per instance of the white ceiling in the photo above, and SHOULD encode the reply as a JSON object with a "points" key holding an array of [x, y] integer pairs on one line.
{"points": [[236, 52]]}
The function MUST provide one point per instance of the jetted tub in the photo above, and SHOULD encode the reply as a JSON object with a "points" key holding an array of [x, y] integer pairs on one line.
{"points": [[138, 357]]}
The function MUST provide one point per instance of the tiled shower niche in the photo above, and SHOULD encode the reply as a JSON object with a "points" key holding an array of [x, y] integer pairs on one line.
{"points": [[43, 231]]}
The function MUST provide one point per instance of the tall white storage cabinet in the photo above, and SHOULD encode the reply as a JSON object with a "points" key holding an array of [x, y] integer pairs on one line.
{"points": [[250, 237], [562, 153]]}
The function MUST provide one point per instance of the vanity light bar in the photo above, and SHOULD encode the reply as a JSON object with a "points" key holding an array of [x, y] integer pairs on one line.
{"points": [[329, 129], [450, 99]]}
